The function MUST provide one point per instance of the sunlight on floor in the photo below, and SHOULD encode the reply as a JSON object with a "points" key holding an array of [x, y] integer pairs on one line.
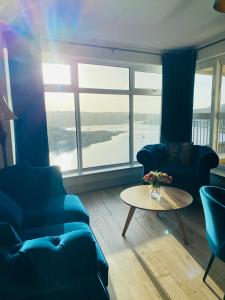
{"points": [[152, 262]]}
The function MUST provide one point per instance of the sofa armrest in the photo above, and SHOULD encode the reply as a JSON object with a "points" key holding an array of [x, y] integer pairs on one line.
{"points": [[48, 264], [50, 181], [204, 158], [152, 156]]}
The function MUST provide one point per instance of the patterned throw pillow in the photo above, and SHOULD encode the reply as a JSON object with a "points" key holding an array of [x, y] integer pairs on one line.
{"points": [[173, 152], [179, 153]]}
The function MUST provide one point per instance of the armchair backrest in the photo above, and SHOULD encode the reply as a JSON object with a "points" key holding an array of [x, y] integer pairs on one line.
{"points": [[152, 156], [213, 201], [25, 184], [18, 182], [49, 181]]}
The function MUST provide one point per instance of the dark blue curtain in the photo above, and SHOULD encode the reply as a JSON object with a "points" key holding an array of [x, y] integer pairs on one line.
{"points": [[27, 98], [177, 96]]}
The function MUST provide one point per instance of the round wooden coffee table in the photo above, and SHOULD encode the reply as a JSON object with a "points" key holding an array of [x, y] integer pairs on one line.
{"points": [[172, 199]]}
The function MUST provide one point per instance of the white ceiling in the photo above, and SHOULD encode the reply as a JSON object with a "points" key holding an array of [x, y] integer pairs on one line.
{"points": [[151, 25]]}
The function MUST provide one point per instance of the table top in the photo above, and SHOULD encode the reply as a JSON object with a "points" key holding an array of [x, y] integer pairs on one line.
{"points": [[171, 198]]}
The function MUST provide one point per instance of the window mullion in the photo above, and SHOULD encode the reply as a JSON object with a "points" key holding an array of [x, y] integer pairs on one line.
{"points": [[131, 116], [150, 92], [77, 116], [59, 88], [103, 91]]}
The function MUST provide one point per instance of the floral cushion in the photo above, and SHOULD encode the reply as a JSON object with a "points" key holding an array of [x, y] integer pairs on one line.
{"points": [[179, 153]]}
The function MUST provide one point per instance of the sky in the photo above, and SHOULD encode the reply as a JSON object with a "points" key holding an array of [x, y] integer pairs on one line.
{"points": [[202, 91]]}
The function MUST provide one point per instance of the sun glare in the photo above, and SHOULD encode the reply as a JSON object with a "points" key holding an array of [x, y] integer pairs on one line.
{"points": [[56, 73]]}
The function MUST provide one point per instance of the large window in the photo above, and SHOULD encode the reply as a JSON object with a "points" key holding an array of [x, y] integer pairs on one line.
{"points": [[147, 118], [61, 129], [202, 106], [100, 115], [208, 127], [221, 117], [104, 129], [146, 109]]}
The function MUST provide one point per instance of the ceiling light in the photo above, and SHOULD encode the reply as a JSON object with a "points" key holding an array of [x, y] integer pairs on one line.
{"points": [[219, 5]]}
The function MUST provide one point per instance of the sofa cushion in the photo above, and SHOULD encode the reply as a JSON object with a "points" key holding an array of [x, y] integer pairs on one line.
{"points": [[8, 235], [18, 182], [48, 264], [10, 211], [55, 210], [58, 229]]}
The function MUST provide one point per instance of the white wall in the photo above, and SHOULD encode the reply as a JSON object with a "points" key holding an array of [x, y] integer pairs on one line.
{"points": [[53, 49]]}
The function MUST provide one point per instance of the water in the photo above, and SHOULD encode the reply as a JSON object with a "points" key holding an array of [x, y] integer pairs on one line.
{"points": [[109, 152], [116, 150]]}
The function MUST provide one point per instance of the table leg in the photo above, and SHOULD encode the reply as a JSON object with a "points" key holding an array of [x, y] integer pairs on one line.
{"points": [[129, 217], [181, 227]]}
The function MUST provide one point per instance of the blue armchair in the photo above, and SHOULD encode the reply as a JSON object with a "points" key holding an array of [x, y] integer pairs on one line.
{"points": [[189, 177], [213, 201], [47, 248]]}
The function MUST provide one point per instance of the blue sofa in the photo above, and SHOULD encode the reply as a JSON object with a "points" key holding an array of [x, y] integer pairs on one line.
{"points": [[189, 177], [47, 248]]}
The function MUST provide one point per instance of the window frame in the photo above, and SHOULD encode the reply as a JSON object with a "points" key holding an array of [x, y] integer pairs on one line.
{"points": [[76, 90], [217, 64]]}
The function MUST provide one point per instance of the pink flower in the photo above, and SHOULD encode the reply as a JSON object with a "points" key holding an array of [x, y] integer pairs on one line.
{"points": [[155, 178]]}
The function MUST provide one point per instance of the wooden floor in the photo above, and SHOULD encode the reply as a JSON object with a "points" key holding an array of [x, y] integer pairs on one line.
{"points": [[152, 262]]}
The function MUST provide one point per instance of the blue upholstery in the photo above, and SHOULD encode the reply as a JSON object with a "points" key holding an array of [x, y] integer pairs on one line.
{"points": [[54, 210], [8, 235], [53, 230], [50, 180], [188, 177], [19, 183], [10, 211], [213, 200], [48, 264], [54, 253]]}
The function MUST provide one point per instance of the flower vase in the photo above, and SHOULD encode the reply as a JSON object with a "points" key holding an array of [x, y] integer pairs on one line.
{"points": [[155, 192]]}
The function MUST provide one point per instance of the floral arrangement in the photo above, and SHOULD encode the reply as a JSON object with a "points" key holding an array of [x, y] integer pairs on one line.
{"points": [[155, 178]]}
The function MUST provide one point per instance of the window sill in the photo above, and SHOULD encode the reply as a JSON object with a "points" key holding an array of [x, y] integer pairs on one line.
{"points": [[102, 178], [101, 170]]}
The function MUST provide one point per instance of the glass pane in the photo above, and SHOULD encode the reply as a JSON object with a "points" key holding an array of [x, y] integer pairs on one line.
{"points": [[147, 119], [56, 74], [105, 129], [146, 80], [103, 77], [221, 128], [61, 130], [202, 107]]}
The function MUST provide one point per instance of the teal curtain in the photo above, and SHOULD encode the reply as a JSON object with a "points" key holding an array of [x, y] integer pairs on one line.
{"points": [[177, 95], [27, 98]]}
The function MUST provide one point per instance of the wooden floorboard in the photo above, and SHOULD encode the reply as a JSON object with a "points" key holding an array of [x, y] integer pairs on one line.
{"points": [[152, 262]]}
